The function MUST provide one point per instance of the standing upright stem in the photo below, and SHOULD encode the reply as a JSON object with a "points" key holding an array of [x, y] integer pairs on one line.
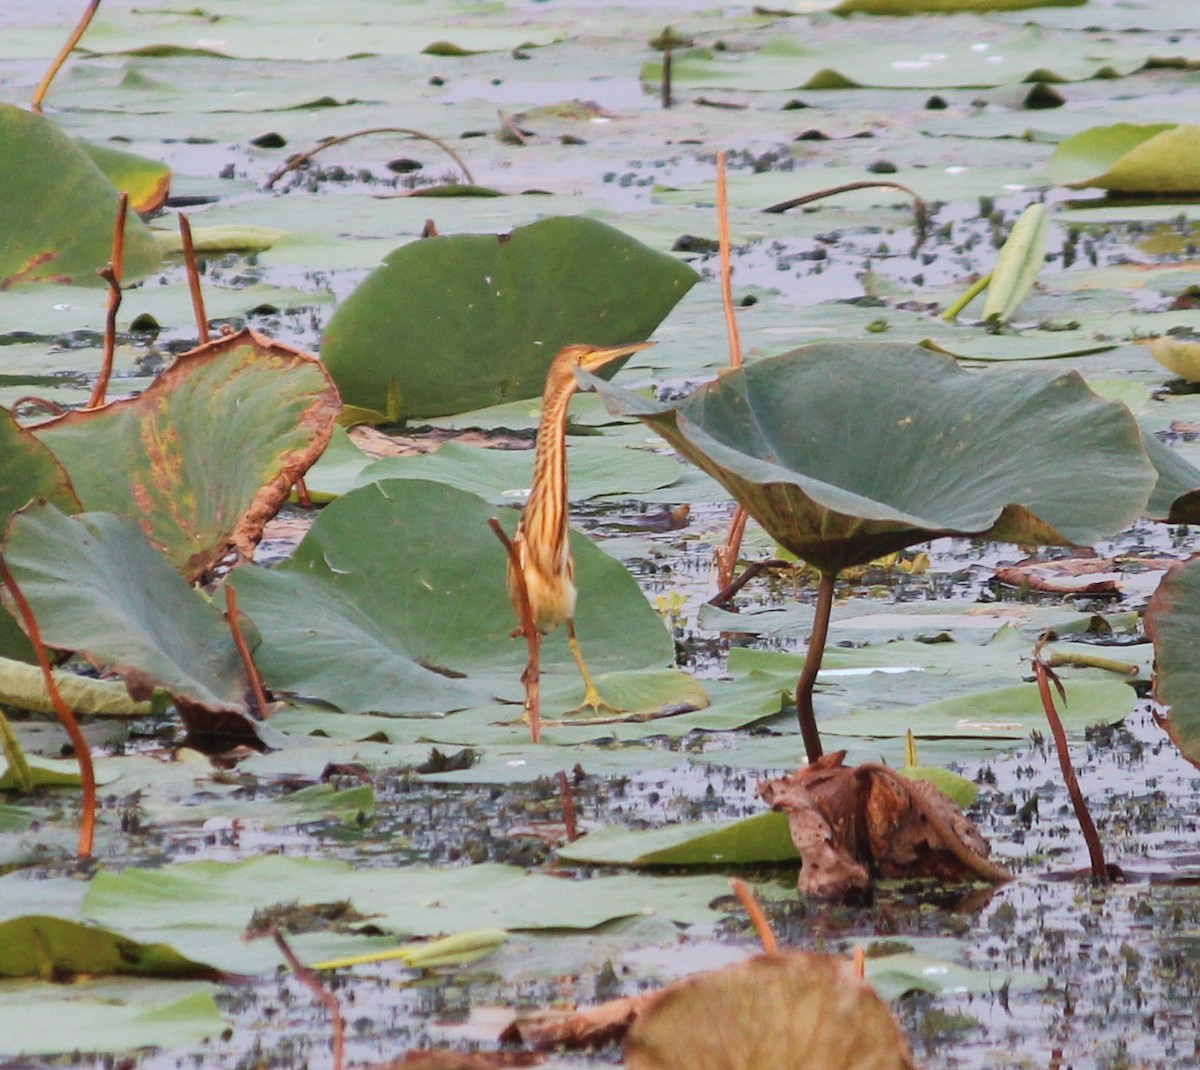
{"points": [[727, 555], [193, 277], [1090, 836], [83, 755], [812, 665], [112, 275]]}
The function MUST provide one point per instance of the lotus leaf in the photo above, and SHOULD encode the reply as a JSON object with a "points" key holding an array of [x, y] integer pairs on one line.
{"points": [[59, 209], [795, 1010], [1156, 158], [405, 608], [147, 181], [1018, 265], [208, 453], [96, 586], [913, 7], [1173, 623], [845, 452], [470, 320]]}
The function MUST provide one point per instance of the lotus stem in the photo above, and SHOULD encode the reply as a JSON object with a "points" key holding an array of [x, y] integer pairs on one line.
{"points": [[83, 755], [1091, 837], [233, 617], [1091, 661], [568, 806], [920, 209], [80, 29], [193, 277], [812, 665], [758, 917], [112, 275], [313, 983]]}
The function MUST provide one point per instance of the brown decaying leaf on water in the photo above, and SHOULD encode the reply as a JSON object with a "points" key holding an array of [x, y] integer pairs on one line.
{"points": [[796, 1010], [792, 1009], [853, 824]]}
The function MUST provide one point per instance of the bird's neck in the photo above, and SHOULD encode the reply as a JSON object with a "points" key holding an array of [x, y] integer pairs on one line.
{"points": [[546, 510]]}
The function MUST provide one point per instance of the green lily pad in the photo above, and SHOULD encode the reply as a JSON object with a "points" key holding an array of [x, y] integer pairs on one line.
{"points": [[1173, 623], [914, 7], [21, 685], [208, 453], [56, 948], [406, 609], [1157, 158], [97, 587], [762, 838], [29, 470], [894, 975], [106, 1016], [147, 181], [59, 209], [469, 320], [799, 438]]}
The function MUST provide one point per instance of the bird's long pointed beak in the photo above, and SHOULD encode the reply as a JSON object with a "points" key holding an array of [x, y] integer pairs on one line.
{"points": [[598, 358]]}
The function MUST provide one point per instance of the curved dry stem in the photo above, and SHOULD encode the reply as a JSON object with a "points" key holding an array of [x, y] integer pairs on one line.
{"points": [[758, 916], [56, 65], [812, 665], [304, 157], [83, 756], [920, 209]]}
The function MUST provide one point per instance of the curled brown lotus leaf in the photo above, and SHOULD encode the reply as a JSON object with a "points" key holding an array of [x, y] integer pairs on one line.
{"points": [[579, 1027], [854, 824]]}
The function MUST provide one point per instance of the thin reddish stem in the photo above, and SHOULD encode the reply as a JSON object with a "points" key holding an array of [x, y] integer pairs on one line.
{"points": [[1090, 836], [313, 983], [532, 675], [568, 806], [193, 277], [83, 755], [239, 640], [56, 65], [112, 275], [758, 917]]}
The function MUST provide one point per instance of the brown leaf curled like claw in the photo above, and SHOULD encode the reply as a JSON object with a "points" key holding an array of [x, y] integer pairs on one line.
{"points": [[854, 824]]}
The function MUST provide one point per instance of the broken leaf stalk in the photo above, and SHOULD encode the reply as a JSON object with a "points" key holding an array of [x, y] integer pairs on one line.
{"points": [[112, 275], [56, 65]]}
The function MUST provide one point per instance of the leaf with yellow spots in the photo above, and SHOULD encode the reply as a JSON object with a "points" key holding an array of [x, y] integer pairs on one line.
{"points": [[208, 454]]}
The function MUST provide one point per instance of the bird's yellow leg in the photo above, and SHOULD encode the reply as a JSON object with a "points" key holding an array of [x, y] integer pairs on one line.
{"points": [[592, 699]]}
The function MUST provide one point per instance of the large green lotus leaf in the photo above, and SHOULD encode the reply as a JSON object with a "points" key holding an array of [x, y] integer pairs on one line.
{"points": [[97, 587], [1156, 158], [1173, 623], [117, 1015], [46, 947], [208, 453], [762, 838], [504, 476], [402, 585], [59, 209], [844, 452], [470, 320]]}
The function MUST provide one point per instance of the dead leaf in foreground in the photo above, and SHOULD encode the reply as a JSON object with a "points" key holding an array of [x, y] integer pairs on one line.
{"points": [[589, 1027], [796, 1011], [437, 1059], [852, 825]]}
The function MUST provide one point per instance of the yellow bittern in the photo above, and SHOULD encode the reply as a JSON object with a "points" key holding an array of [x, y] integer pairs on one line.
{"points": [[542, 550]]}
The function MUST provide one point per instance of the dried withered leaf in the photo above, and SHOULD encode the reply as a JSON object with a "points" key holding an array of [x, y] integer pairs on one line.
{"points": [[440, 1059], [587, 1027], [799, 1011], [854, 824]]}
